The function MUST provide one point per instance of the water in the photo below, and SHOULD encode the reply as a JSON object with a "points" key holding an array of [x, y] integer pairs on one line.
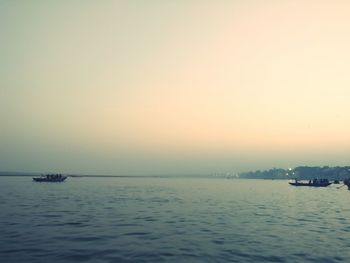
{"points": [[172, 220]]}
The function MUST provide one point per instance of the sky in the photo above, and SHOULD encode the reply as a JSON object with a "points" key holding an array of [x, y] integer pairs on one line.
{"points": [[173, 87]]}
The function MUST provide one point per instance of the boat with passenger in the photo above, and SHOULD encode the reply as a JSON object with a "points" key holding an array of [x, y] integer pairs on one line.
{"points": [[347, 183], [52, 178], [314, 183]]}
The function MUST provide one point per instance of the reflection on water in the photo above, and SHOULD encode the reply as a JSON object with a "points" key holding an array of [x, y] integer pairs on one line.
{"points": [[171, 220]]}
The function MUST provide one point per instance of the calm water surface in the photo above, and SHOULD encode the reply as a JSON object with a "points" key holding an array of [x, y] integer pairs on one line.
{"points": [[172, 220]]}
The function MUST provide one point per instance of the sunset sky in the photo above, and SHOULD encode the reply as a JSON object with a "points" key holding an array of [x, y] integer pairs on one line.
{"points": [[173, 87]]}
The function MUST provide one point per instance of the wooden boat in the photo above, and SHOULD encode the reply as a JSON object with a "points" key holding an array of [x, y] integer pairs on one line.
{"points": [[313, 183], [51, 178]]}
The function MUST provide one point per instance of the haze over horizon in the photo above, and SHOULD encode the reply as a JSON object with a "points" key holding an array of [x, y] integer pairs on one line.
{"points": [[173, 87]]}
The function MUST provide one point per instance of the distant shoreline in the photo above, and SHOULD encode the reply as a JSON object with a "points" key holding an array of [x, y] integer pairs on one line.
{"points": [[113, 176], [300, 173]]}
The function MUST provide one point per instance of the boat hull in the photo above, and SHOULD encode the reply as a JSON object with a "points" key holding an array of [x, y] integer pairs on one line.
{"points": [[311, 185], [49, 180]]}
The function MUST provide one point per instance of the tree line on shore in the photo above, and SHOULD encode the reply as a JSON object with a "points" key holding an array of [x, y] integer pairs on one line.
{"points": [[301, 173]]}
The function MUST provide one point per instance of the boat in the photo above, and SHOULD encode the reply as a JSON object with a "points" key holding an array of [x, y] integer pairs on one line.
{"points": [[52, 178], [313, 183]]}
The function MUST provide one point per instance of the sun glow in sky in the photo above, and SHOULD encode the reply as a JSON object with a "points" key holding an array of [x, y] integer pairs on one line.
{"points": [[173, 87]]}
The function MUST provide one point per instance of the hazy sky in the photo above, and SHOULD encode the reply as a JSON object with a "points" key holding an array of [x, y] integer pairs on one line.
{"points": [[173, 87]]}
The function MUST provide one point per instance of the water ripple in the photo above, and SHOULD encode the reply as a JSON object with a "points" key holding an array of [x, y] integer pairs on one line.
{"points": [[171, 220]]}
